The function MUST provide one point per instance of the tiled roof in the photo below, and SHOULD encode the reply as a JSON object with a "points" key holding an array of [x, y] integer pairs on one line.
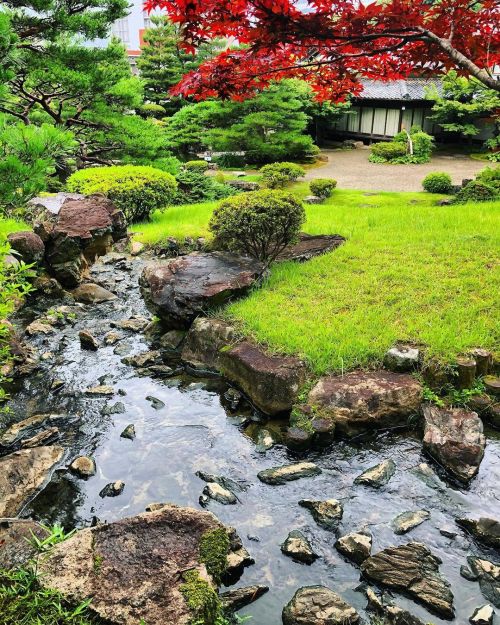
{"points": [[411, 89]]}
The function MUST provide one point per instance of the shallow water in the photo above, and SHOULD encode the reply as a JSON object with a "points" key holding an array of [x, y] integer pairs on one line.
{"points": [[196, 430]]}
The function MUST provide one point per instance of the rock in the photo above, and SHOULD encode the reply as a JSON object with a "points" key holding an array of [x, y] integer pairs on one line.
{"points": [[28, 245], [146, 359], [83, 466], [21, 429], [220, 494], [22, 474], [38, 327], [111, 338], [413, 569], [129, 432], [172, 342], [113, 489], [237, 559], [488, 575], [492, 385], [363, 401], [327, 514], [101, 390], [225, 482], [184, 288], [205, 339], [57, 385], [110, 409], [454, 437], [393, 614], [234, 600], [482, 615], [377, 476], [88, 340], [265, 440], [16, 541], [356, 546], [318, 605], [406, 521], [134, 324], [323, 432], [244, 185], [45, 437], [311, 245], [133, 569], [298, 439], [156, 404], [271, 382], [402, 358], [50, 203], [467, 574], [136, 248], [288, 473], [297, 547], [90, 293], [313, 199], [484, 530]]}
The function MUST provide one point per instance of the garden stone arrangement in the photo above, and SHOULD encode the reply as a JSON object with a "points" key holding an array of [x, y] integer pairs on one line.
{"points": [[168, 443]]}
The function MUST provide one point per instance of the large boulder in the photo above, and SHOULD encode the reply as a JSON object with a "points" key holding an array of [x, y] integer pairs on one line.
{"points": [[454, 437], [271, 382], [318, 605], [414, 570], [363, 401], [38, 206], [23, 473], [28, 245], [204, 341], [187, 287], [138, 569]]}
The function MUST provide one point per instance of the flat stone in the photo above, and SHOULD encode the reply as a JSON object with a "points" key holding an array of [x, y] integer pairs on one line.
{"points": [[52, 203], [133, 569], [482, 615], [225, 482], [313, 199], [146, 359], [265, 441], [101, 390], [365, 401], [23, 473], [204, 341], [186, 287], [18, 430], [45, 437], [134, 324], [220, 494], [297, 547], [488, 575], [113, 489], [110, 409], [318, 605], [288, 473], [310, 246], [136, 248], [454, 438], [402, 358], [298, 439], [485, 530], [16, 541], [111, 338], [391, 613], [356, 546], [377, 476], [271, 382], [39, 327], [327, 514], [83, 466], [244, 185], [156, 403], [90, 293], [234, 600], [414, 570], [88, 340], [406, 521], [129, 432]]}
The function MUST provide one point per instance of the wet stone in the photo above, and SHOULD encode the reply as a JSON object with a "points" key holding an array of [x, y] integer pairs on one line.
{"points": [[157, 404], [134, 324], [482, 615], [298, 439], [220, 494], [45, 437], [113, 489], [38, 327], [318, 605], [225, 482], [406, 521], [288, 473], [145, 359], [129, 432], [297, 547], [90, 293], [356, 546], [327, 514], [111, 338], [234, 600], [83, 466], [88, 340], [377, 476], [110, 409], [484, 530], [488, 575], [100, 391], [265, 441]]}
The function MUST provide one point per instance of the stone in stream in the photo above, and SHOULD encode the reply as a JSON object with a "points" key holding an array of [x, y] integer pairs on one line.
{"points": [[45, 437], [28, 245], [482, 615], [128, 432], [406, 521], [234, 600], [83, 466], [318, 605], [23, 473], [377, 476], [356, 546], [90, 293], [414, 570], [265, 441], [225, 482], [402, 358], [288, 473], [88, 340], [113, 489], [134, 324], [204, 341], [297, 547], [111, 338], [102, 390], [39, 327], [488, 575], [298, 439], [220, 494], [454, 438], [327, 514], [186, 287], [156, 404], [134, 570], [391, 613], [484, 530], [364, 401], [146, 359], [19, 430], [110, 409]]}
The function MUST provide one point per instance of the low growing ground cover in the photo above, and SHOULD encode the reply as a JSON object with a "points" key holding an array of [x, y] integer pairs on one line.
{"points": [[410, 270]]}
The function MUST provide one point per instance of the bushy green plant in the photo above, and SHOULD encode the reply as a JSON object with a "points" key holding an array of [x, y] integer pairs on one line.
{"points": [[229, 160], [388, 151], [490, 176], [199, 166], [260, 223], [322, 187], [423, 144], [152, 110], [476, 191], [194, 186], [137, 190], [437, 182], [278, 175]]}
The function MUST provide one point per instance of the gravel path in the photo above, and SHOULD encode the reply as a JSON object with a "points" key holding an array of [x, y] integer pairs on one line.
{"points": [[352, 170]]}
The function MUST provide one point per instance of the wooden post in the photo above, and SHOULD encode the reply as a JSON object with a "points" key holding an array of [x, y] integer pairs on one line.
{"points": [[483, 360], [466, 368]]}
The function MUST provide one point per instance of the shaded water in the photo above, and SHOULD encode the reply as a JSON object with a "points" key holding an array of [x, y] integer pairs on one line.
{"points": [[195, 430]]}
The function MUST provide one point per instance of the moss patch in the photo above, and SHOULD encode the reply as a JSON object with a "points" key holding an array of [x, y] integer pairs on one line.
{"points": [[201, 599], [214, 547]]}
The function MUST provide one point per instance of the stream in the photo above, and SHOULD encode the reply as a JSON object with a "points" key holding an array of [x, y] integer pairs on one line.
{"points": [[197, 430]]}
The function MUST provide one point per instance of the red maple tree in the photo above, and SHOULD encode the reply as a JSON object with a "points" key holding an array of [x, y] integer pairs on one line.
{"points": [[334, 43]]}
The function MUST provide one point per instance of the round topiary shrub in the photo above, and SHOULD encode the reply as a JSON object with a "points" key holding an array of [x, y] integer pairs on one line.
{"points": [[322, 187], [260, 223], [437, 182], [279, 174], [388, 151], [152, 110], [136, 190], [199, 166], [476, 191]]}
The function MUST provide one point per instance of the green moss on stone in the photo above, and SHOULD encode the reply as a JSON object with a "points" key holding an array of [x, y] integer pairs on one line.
{"points": [[201, 599], [214, 547]]}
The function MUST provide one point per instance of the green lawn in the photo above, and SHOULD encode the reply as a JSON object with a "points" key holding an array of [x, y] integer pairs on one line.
{"points": [[410, 270]]}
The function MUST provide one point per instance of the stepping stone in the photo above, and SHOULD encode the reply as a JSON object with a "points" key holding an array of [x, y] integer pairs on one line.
{"points": [[327, 514], [288, 473], [83, 466], [377, 476], [356, 546], [406, 521], [297, 547], [128, 432]]}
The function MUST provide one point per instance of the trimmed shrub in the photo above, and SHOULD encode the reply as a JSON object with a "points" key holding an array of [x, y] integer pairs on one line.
{"points": [[476, 191], [437, 182], [194, 186], [137, 190], [279, 174], [260, 223], [199, 166], [322, 187], [423, 144], [388, 151], [152, 110], [490, 176]]}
